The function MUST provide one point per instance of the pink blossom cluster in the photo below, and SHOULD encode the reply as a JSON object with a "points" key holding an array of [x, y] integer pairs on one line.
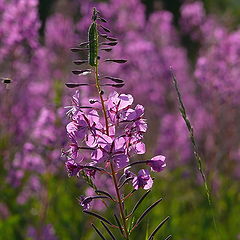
{"points": [[93, 146]]}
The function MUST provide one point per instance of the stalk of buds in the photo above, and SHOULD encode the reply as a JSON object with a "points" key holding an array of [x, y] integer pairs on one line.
{"points": [[105, 134]]}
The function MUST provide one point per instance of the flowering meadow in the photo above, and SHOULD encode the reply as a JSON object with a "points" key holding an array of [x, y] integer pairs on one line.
{"points": [[119, 119]]}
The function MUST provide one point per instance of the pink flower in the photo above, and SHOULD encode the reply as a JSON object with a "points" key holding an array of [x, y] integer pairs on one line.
{"points": [[143, 180], [73, 168]]}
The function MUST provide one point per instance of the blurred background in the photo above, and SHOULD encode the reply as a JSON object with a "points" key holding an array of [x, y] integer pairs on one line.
{"points": [[199, 39]]}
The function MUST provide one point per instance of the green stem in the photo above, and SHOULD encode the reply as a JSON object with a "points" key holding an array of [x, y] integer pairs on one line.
{"points": [[119, 202]]}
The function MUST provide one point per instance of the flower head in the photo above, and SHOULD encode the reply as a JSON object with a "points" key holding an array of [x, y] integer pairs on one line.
{"points": [[73, 168], [142, 180], [157, 163]]}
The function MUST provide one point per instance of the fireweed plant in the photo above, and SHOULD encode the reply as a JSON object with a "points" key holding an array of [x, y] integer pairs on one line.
{"points": [[104, 135]]}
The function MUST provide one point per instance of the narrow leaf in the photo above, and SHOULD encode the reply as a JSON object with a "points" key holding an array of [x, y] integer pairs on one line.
{"points": [[98, 232], [119, 85], [116, 80], [106, 49], [83, 44], [111, 39], [102, 19], [74, 85], [116, 60], [105, 29], [147, 211], [6, 80], [105, 193], [125, 181], [118, 223], [109, 43], [139, 202], [93, 44], [157, 228], [79, 62], [108, 230], [97, 216], [81, 72], [168, 237], [103, 35], [78, 49]]}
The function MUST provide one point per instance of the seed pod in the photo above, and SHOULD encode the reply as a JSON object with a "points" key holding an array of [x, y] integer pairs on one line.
{"points": [[93, 44]]}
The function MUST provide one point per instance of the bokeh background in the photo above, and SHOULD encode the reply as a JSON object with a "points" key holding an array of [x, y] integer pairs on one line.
{"points": [[199, 39]]}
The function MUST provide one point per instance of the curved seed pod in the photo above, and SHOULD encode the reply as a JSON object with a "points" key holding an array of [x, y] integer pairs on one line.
{"points": [[93, 44], [116, 60], [157, 228]]}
